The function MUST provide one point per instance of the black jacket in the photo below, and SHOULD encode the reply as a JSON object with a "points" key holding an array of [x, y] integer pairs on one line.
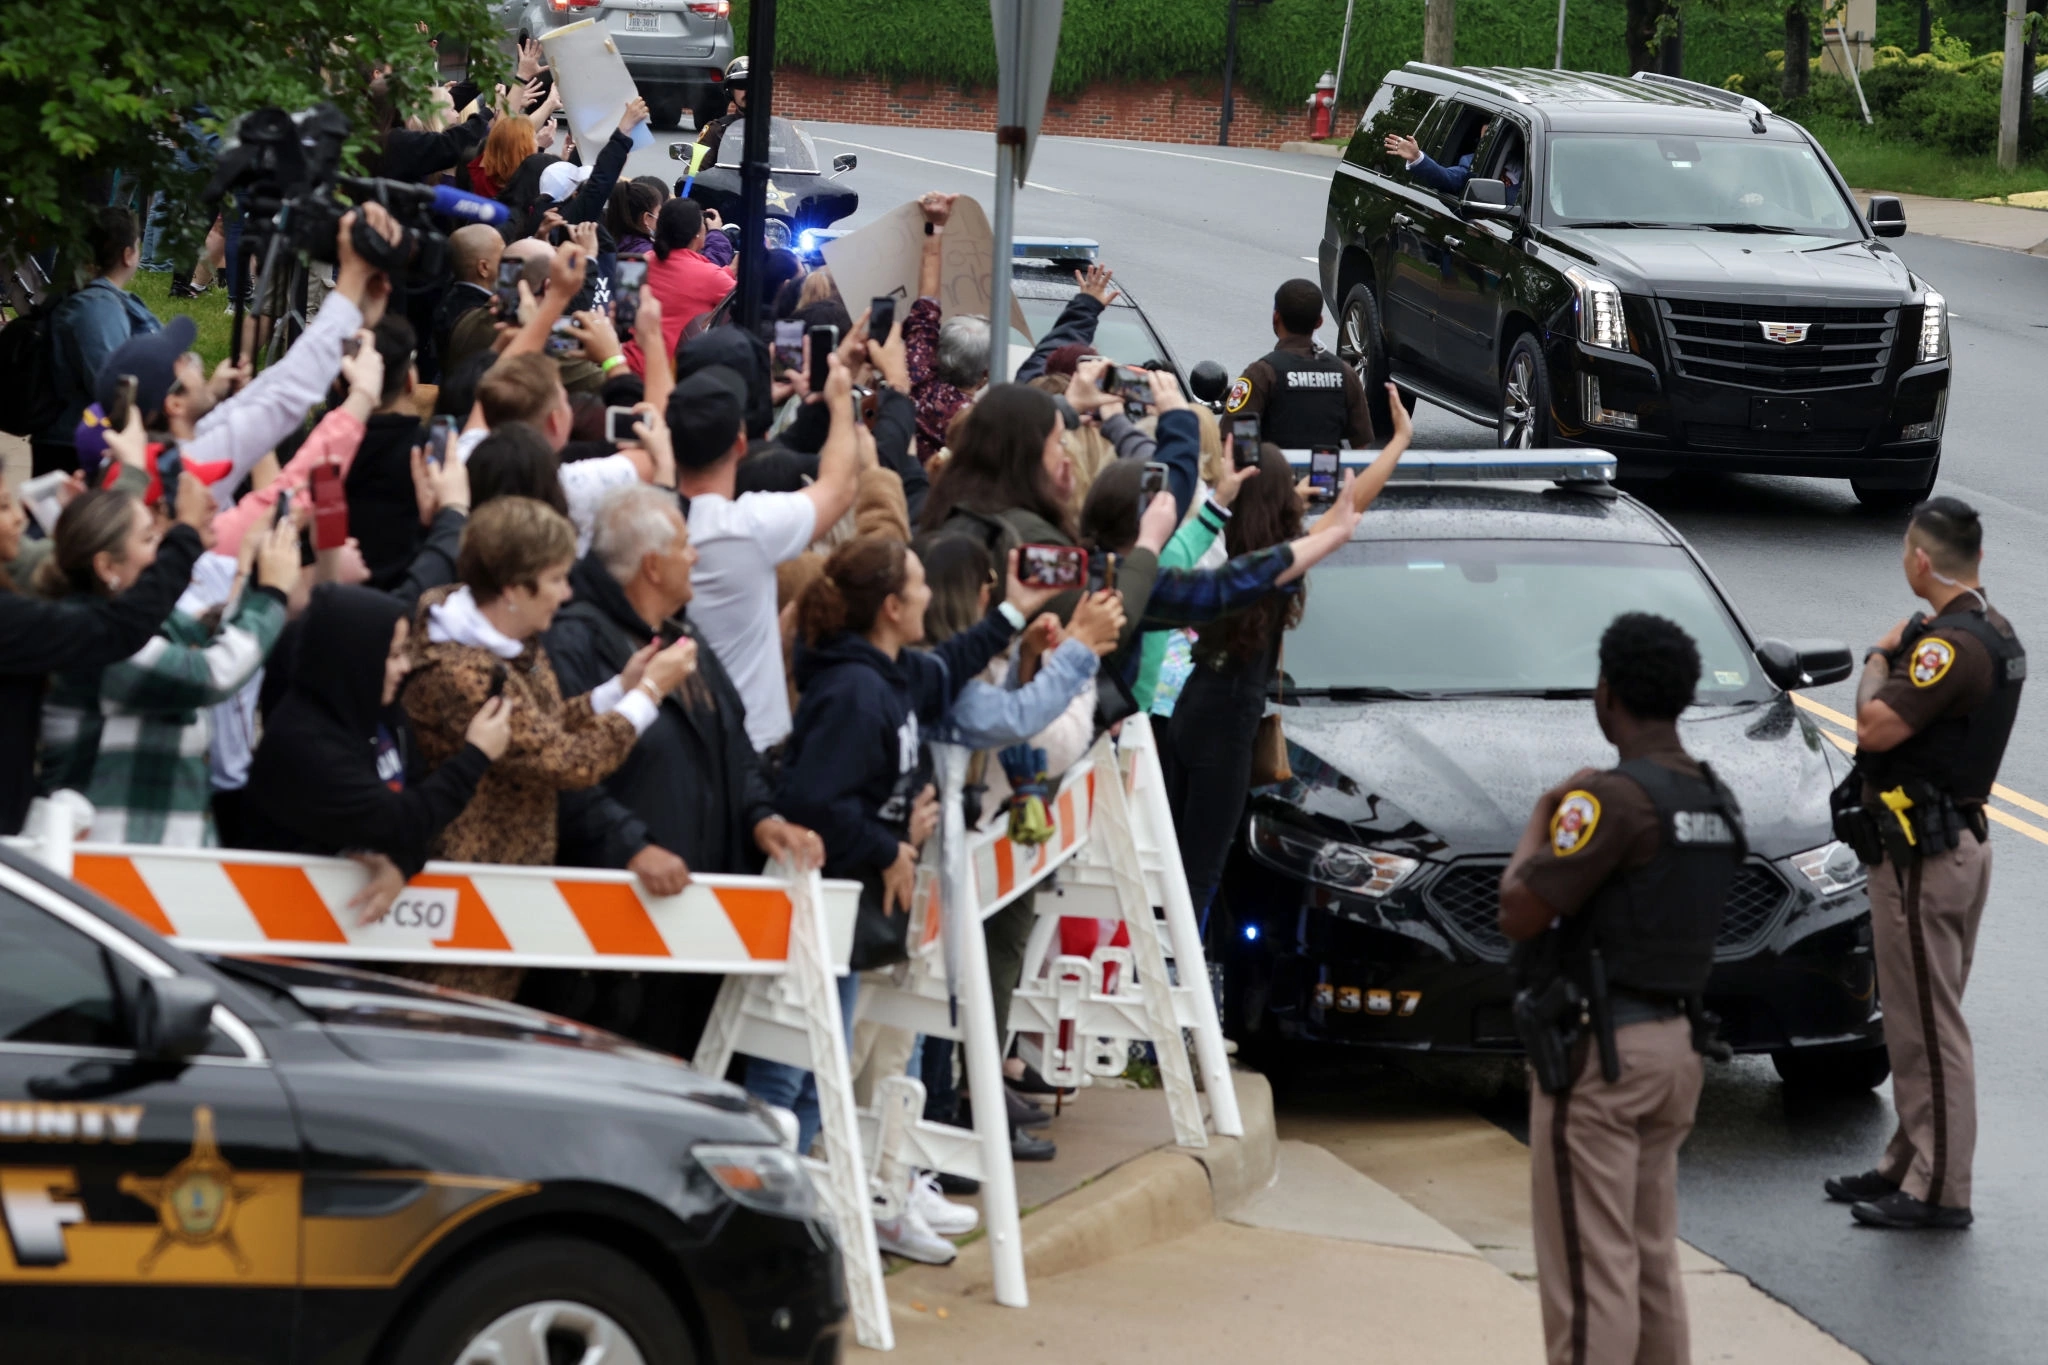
{"points": [[693, 784], [1075, 324], [410, 155], [315, 784], [854, 751], [895, 432], [39, 637], [383, 510]]}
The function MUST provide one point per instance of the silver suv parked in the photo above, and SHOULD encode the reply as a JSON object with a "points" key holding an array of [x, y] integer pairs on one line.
{"points": [[675, 50]]}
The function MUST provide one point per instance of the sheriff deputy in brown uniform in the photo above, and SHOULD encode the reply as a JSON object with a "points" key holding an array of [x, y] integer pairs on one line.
{"points": [[1614, 899], [1302, 395], [1933, 712]]}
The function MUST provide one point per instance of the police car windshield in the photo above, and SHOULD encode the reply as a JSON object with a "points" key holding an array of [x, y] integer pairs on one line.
{"points": [[1651, 180], [1433, 618], [1120, 333]]}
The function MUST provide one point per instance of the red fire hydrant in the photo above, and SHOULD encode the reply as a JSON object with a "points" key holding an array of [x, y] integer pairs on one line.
{"points": [[1322, 106]]}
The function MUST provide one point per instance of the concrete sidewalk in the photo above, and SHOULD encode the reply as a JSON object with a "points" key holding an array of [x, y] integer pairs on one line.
{"points": [[1392, 1228], [1965, 220]]}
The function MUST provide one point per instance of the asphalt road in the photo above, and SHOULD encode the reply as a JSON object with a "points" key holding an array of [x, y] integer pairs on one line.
{"points": [[1202, 236]]}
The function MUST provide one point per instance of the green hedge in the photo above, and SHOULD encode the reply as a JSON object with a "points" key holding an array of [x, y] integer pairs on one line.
{"points": [[1284, 46]]}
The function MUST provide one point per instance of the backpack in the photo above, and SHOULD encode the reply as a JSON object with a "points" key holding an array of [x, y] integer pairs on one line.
{"points": [[29, 401]]}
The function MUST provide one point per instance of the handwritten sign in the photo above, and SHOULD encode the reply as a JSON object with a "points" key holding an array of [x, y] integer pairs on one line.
{"points": [[882, 259]]}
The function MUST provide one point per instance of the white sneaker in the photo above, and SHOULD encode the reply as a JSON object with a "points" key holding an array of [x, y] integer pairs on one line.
{"points": [[913, 1239], [946, 1218]]}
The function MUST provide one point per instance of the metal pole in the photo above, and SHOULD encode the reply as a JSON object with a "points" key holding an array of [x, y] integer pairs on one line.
{"points": [[1849, 65], [2009, 93], [1343, 49], [1229, 69], [754, 159], [1004, 228], [1558, 65]]}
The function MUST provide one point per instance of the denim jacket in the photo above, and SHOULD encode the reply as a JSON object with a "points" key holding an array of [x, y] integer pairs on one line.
{"points": [[87, 328]]}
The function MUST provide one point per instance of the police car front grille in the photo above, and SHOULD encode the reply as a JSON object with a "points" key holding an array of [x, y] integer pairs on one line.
{"points": [[1724, 343], [1466, 900]]}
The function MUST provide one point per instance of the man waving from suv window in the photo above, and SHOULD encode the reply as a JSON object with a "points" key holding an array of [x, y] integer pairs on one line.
{"points": [[1451, 179]]}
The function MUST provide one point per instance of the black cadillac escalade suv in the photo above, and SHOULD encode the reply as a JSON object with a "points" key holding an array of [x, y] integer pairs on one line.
{"points": [[1660, 268]]}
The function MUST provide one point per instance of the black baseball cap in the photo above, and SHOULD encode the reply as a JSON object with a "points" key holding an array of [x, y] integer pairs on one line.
{"points": [[705, 413], [153, 359]]}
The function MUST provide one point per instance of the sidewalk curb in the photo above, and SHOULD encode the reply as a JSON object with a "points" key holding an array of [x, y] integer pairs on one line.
{"points": [[1329, 149], [1166, 1193]]}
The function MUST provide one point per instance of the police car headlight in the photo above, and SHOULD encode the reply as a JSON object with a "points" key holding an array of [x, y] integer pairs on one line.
{"points": [[1832, 868], [1599, 308], [1330, 862], [765, 1178], [1933, 328]]}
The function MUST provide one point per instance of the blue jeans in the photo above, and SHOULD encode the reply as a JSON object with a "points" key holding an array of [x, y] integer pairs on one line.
{"points": [[794, 1088]]}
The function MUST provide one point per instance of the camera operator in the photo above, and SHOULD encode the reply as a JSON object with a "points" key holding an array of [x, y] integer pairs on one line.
{"points": [[241, 430]]}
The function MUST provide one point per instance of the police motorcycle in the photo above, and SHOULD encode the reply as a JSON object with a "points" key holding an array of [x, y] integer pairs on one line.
{"points": [[803, 191]]}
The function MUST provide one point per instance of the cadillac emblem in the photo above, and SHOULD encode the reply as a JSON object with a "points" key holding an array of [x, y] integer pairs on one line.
{"points": [[1786, 333]]}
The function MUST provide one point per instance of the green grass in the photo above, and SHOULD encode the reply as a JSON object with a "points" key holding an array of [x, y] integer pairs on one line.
{"points": [[209, 311], [1869, 160]]}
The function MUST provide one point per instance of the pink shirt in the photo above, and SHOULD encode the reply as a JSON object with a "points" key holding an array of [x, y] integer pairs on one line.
{"points": [[689, 287], [336, 438]]}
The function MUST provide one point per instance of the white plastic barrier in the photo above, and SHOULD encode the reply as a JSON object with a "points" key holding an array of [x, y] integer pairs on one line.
{"points": [[781, 939], [1115, 855]]}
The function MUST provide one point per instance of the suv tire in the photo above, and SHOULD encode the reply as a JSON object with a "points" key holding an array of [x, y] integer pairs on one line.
{"points": [[584, 1289], [710, 106], [665, 109], [1525, 397], [1362, 345], [1896, 499]]}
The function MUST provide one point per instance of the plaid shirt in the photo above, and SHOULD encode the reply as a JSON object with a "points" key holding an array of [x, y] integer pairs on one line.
{"points": [[133, 737], [1195, 597], [937, 401]]}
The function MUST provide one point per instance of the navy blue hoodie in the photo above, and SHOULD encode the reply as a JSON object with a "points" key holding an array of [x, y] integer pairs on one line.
{"points": [[855, 745]]}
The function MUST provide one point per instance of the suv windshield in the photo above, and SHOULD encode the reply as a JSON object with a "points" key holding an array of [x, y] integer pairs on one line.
{"points": [[1649, 180], [1433, 617]]}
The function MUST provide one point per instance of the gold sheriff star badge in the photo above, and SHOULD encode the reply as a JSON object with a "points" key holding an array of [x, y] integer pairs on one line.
{"points": [[196, 1202]]}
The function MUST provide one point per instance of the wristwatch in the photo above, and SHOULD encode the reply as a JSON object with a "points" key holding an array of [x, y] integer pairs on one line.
{"points": [[932, 229]]}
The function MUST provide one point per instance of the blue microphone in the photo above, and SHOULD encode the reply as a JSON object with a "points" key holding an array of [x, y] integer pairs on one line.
{"points": [[474, 207]]}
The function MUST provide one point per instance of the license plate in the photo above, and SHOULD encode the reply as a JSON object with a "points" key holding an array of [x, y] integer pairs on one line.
{"points": [[639, 22], [1781, 414]]}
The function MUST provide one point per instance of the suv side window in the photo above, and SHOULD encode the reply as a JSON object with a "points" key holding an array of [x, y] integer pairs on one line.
{"points": [[1395, 109], [56, 984], [1458, 132]]}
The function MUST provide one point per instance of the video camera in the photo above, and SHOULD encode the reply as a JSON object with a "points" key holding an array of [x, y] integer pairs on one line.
{"points": [[285, 171]]}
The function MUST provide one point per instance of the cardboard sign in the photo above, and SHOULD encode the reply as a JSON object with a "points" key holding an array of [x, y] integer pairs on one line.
{"points": [[883, 257], [594, 83]]}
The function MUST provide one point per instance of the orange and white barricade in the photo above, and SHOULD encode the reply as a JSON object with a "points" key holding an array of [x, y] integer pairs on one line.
{"points": [[778, 940], [1114, 855]]}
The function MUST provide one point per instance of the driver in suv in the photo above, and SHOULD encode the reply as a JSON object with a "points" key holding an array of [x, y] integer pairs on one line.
{"points": [[1659, 268]]}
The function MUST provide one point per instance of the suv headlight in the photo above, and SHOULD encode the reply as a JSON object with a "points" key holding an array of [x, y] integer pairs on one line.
{"points": [[1599, 308], [1933, 328], [1331, 862], [1832, 868], [768, 1179]]}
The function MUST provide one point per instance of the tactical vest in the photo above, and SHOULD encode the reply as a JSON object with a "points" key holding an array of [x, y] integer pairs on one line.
{"points": [[1959, 755], [1655, 925], [1306, 407]]}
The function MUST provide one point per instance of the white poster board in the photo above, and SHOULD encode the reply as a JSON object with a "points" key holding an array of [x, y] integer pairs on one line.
{"points": [[881, 260], [594, 83]]}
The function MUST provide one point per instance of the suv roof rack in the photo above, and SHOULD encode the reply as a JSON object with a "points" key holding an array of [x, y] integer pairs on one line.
{"points": [[1464, 77], [1727, 99], [1586, 470]]}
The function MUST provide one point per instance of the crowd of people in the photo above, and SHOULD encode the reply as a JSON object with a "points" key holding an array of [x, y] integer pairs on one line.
{"points": [[410, 592]]}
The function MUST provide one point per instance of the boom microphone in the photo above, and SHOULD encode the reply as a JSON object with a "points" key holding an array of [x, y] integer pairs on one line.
{"points": [[462, 204]]}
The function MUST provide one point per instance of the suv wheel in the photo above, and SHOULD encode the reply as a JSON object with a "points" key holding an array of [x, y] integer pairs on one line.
{"points": [[551, 1298], [1525, 397], [1362, 344], [665, 110], [1896, 499], [711, 105]]}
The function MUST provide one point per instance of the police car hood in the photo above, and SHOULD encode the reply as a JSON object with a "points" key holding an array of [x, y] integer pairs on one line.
{"points": [[1467, 772], [1762, 267]]}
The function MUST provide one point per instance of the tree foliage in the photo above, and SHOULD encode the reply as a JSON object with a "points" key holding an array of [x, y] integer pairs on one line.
{"points": [[101, 95]]}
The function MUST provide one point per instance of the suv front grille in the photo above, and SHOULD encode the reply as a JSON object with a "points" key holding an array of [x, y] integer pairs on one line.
{"points": [[1466, 899], [1724, 343]]}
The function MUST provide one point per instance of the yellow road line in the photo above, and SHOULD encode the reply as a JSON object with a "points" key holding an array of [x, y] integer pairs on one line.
{"points": [[2034, 832]]}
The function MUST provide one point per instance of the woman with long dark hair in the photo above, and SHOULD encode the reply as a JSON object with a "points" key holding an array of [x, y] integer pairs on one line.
{"points": [[1208, 744], [680, 276]]}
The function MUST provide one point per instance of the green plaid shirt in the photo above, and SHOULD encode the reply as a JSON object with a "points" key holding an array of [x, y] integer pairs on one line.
{"points": [[133, 737]]}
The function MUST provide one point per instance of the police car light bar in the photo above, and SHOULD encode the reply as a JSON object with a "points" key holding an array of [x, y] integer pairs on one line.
{"points": [[1483, 466], [810, 246]]}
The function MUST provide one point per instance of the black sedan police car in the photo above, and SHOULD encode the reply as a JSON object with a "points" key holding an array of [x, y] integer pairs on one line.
{"points": [[236, 1160], [1440, 679]]}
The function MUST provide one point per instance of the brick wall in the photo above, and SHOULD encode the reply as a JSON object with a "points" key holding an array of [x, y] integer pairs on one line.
{"points": [[1179, 111]]}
